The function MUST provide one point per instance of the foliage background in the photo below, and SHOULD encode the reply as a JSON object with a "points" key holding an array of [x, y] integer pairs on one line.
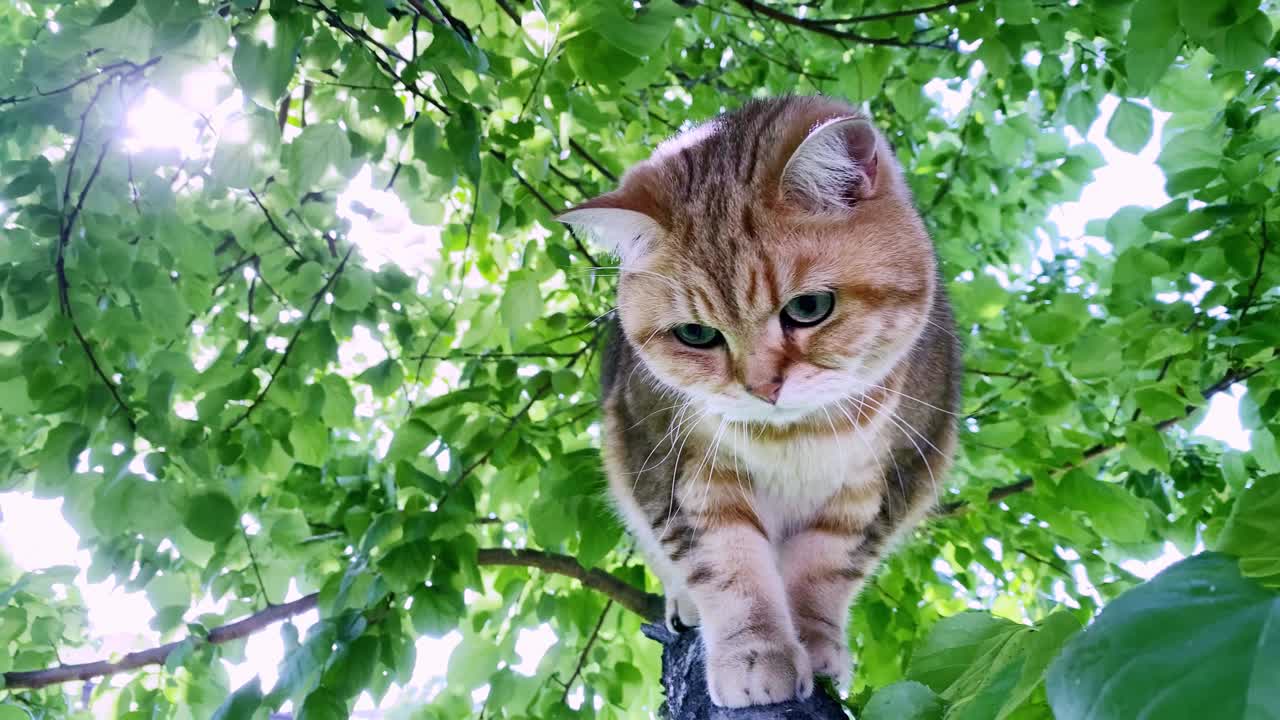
{"points": [[244, 396]]}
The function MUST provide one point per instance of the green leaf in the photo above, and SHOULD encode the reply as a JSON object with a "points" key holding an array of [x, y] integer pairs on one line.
{"points": [[1152, 44], [339, 404], [116, 10], [953, 645], [211, 516], [907, 700], [354, 289], [1114, 512], [1246, 45], [436, 610], [1160, 404], [1001, 434], [385, 377], [521, 303], [472, 662], [265, 57], [322, 704], [1203, 18], [1265, 450], [319, 156], [310, 440], [1043, 645], [1252, 533], [13, 712], [1197, 641], [1130, 126], [242, 704], [410, 440], [1190, 149], [408, 564], [640, 36], [1149, 445], [463, 132]]}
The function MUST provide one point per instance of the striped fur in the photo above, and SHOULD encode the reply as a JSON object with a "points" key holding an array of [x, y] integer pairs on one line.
{"points": [[761, 519]]}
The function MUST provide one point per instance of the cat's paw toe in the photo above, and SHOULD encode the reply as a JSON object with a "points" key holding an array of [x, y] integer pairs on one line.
{"points": [[681, 613], [830, 659], [759, 674]]}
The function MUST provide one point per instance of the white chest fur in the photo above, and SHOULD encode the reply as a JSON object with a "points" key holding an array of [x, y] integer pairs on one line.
{"points": [[790, 480]]}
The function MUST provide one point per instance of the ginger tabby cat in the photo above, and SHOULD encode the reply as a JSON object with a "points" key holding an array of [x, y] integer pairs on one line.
{"points": [[780, 388]]}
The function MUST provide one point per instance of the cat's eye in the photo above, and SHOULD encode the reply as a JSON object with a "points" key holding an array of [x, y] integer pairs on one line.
{"points": [[809, 309], [699, 336]]}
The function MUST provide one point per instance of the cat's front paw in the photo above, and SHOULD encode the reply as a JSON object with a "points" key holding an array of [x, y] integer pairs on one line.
{"points": [[761, 671], [829, 657]]}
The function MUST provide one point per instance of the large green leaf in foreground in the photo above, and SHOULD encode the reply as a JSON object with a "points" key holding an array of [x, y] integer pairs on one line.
{"points": [[1199, 641]]}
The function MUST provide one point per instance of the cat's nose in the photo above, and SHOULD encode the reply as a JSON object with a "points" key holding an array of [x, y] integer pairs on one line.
{"points": [[766, 390]]}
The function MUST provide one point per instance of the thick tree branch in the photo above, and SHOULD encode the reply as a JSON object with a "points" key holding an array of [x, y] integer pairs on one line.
{"points": [[1001, 492], [822, 29], [647, 605], [156, 655]]}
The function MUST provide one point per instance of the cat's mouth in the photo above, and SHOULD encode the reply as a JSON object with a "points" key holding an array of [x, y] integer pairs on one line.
{"points": [[757, 411]]}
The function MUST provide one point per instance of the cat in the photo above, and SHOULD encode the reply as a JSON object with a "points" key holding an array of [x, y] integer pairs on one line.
{"points": [[781, 383]]}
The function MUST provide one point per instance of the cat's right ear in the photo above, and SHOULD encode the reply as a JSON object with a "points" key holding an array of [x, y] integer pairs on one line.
{"points": [[626, 233]]}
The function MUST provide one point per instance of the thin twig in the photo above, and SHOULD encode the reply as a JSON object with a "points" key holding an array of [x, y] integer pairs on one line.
{"points": [[909, 12], [293, 341], [262, 586], [821, 29], [274, 227], [1001, 492], [577, 147]]}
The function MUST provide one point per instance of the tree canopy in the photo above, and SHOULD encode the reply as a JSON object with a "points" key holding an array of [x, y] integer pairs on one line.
{"points": [[286, 323]]}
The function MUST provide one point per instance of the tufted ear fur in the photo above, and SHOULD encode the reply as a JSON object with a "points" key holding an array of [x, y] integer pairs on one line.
{"points": [[836, 165], [620, 229]]}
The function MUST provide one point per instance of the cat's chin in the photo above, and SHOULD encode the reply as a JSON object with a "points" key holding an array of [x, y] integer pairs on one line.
{"points": [[768, 414]]}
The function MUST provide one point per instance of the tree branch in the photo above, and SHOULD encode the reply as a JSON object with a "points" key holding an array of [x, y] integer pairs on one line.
{"points": [[822, 29], [274, 227], [542, 200], [909, 12], [1001, 492], [35, 679], [68, 222], [577, 147], [647, 605], [293, 341]]}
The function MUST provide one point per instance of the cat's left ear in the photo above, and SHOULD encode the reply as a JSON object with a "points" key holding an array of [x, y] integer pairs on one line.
{"points": [[619, 229], [836, 165]]}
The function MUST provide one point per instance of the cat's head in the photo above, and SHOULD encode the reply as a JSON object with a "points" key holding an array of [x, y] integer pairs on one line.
{"points": [[772, 261]]}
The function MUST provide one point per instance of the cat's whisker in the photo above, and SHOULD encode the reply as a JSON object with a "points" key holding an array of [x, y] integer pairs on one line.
{"points": [[908, 430], [713, 450], [913, 399], [676, 424], [917, 433], [655, 412], [871, 451], [675, 473], [640, 365]]}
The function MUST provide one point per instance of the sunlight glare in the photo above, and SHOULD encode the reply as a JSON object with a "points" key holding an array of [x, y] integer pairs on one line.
{"points": [[387, 234], [158, 122]]}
